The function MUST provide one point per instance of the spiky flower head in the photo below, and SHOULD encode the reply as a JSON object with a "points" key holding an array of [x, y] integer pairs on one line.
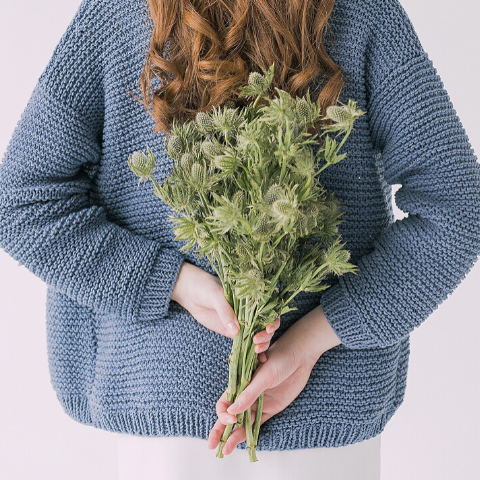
{"points": [[142, 164], [230, 104], [210, 149], [256, 80], [226, 163], [187, 160], [242, 250], [174, 146], [339, 114], [263, 229], [274, 193], [238, 197], [302, 109], [284, 210], [205, 122], [197, 174]]}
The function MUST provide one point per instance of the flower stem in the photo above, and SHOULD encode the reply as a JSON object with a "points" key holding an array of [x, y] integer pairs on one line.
{"points": [[250, 439], [258, 417], [223, 440], [233, 365]]}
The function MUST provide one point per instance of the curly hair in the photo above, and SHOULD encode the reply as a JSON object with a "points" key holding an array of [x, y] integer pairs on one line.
{"points": [[202, 51]]}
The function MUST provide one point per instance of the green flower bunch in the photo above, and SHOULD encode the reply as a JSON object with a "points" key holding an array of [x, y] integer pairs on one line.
{"points": [[246, 195]]}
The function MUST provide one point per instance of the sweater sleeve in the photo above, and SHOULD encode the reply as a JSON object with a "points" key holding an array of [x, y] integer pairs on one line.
{"points": [[47, 220], [417, 261]]}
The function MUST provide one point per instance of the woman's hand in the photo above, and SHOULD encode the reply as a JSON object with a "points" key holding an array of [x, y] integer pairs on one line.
{"points": [[201, 293], [282, 375]]}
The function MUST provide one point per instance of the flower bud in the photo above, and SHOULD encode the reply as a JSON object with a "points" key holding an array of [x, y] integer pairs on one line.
{"points": [[187, 160], [274, 192], [256, 80], [230, 104], [174, 146], [242, 251], [204, 121], [302, 109], [197, 173], [141, 164], [210, 149], [237, 198], [339, 114]]}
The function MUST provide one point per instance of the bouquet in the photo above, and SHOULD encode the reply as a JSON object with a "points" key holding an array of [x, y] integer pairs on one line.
{"points": [[245, 192]]}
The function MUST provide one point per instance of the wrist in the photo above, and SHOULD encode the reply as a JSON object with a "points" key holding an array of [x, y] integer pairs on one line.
{"points": [[179, 287], [320, 336]]}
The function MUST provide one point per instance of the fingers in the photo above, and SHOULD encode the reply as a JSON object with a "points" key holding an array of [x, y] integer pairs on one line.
{"points": [[261, 381], [225, 313], [221, 408], [262, 338], [215, 435], [237, 435]]}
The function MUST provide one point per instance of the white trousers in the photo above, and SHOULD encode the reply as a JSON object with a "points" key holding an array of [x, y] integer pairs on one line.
{"points": [[183, 458]]}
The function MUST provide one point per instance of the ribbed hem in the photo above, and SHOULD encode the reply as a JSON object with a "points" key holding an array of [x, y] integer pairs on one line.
{"points": [[192, 423], [343, 319], [155, 302]]}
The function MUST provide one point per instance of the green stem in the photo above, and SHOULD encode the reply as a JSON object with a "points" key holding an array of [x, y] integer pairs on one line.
{"points": [[223, 440], [250, 438], [258, 417], [302, 286], [244, 356], [233, 365], [339, 146], [260, 254]]}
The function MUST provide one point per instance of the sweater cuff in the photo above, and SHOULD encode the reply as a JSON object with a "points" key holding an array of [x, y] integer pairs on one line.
{"points": [[343, 319], [155, 302]]}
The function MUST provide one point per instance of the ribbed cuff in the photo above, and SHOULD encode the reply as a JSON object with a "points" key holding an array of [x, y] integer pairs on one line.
{"points": [[155, 301], [343, 319]]}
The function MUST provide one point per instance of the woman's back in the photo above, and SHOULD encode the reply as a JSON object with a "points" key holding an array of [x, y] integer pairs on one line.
{"points": [[125, 358]]}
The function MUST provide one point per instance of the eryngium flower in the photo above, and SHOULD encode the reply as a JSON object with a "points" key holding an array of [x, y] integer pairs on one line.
{"points": [[142, 164]]}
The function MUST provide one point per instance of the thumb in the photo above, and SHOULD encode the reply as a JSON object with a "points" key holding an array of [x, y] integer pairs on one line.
{"points": [[226, 314]]}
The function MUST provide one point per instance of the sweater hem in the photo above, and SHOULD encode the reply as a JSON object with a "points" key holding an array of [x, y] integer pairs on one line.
{"points": [[192, 423]]}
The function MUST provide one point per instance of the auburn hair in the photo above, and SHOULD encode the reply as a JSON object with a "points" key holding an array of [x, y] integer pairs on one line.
{"points": [[202, 51]]}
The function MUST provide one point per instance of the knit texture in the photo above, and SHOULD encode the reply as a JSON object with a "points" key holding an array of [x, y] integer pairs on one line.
{"points": [[123, 356]]}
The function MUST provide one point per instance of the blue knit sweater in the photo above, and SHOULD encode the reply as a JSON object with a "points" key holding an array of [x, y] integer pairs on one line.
{"points": [[124, 357]]}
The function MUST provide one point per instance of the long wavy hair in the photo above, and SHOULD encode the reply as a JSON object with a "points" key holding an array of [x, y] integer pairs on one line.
{"points": [[202, 51]]}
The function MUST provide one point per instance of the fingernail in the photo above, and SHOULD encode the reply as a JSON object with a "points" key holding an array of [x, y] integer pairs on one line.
{"points": [[233, 406], [229, 421], [231, 326], [260, 339]]}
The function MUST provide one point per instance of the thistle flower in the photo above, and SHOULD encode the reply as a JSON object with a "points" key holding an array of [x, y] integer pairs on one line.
{"points": [[340, 115], [186, 161], [302, 109], [211, 149], [274, 193], [205, 122], [256, 80], [197, 173], [174, 146], [142, 164], [230, 104]]}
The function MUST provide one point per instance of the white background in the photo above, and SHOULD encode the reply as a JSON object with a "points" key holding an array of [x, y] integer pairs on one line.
{"points": [[434, 434]]}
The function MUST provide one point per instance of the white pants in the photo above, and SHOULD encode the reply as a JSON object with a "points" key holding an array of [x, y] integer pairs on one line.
{"points": [[183, 458]]}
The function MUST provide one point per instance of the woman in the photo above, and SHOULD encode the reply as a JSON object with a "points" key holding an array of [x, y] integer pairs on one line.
{"points": [[137, 330]]}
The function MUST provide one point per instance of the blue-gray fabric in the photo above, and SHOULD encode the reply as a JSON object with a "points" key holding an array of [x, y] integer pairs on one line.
{"points": [[124, 357]]}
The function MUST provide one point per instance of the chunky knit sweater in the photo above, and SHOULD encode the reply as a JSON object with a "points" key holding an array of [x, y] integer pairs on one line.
{"points": [[123, 356]]}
